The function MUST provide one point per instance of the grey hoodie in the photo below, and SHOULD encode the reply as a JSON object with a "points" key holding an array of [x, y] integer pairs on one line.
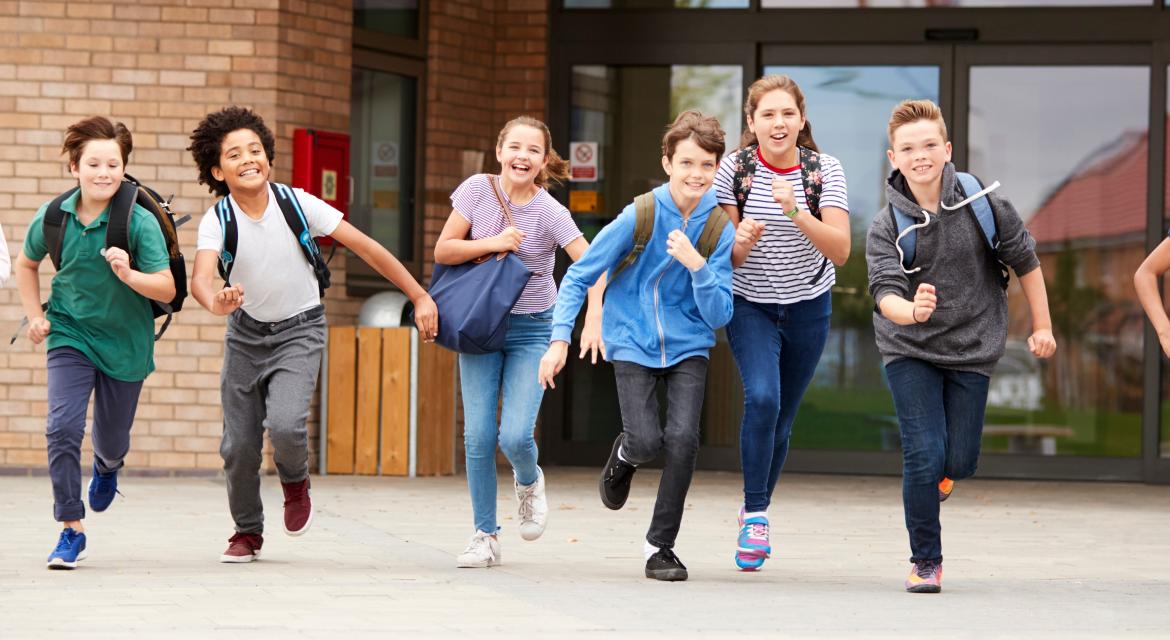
{"points": [[968, 329]]}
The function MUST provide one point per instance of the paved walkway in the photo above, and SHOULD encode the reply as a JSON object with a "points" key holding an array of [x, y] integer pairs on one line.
{"points": [[1024, 559]]}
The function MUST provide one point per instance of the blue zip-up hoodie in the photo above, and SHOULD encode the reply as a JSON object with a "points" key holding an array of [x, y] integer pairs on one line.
{"points": [[657, 312]]}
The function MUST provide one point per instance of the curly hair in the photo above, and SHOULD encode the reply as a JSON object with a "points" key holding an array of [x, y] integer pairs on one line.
{"points": [[208, 136]]}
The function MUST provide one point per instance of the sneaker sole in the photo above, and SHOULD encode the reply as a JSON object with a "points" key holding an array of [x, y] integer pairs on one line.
{"points": [[239, 559], [924, 588], [754, 564], [477, 564], [63, 564], [667, 575], [303, 529]]}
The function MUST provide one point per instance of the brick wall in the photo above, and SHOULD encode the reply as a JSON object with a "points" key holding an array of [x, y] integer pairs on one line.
{"points": [[158, 66]]}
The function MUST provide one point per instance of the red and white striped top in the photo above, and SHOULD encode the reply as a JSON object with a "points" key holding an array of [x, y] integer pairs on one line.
{"points": [[546, 224]]}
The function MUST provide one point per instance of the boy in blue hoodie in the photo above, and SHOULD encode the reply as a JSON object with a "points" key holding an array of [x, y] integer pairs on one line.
{"points": [[664, 301]]}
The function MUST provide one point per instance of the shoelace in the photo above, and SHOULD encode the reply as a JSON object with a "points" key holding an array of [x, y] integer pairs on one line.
{"points": [[527, 497], [925, 569], [758, 531], [480, 539], [65, 541]]}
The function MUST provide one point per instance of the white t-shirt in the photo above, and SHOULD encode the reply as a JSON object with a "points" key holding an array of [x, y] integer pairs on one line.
{"points": [[784, 267], [278, 280]]}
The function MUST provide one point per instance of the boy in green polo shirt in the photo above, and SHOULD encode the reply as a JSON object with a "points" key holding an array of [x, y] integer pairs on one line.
{"points": [[98, 323]]}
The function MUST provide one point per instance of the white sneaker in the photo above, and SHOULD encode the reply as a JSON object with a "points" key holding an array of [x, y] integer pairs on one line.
{"points": [[482, 551], [533, 507]]}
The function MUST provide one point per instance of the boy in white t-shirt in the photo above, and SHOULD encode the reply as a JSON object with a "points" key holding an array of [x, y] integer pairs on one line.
{"points": [[275, 335]]}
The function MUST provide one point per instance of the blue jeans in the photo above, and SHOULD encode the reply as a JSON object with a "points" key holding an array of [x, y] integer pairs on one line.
{"points": [[940, 415], [777, 347], [511, 373]]}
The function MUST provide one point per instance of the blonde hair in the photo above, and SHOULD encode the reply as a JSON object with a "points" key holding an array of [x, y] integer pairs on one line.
{"points": [[909, 111], [764, 86], [557, 169], [693, 125]]}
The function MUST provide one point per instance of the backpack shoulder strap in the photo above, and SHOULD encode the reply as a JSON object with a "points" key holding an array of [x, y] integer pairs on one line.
{"points": [[643, 230], [741, 180], [903, 221], [981, 207], [712, 231], [121, 210], [230, 234], [299, 225], [52, 225], [810, 174]]}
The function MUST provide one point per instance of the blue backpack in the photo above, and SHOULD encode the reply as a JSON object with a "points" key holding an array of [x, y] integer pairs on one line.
{"points": [[980, 206]]}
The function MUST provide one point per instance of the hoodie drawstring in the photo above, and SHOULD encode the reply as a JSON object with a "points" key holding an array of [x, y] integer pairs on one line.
{"points": [[914, 227]]}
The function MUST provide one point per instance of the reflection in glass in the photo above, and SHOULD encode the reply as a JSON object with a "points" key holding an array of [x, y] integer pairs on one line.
{"points": [[848, 405], [391, 17], [382, 125], [625, 111], [789, 4], [1072, 159]]}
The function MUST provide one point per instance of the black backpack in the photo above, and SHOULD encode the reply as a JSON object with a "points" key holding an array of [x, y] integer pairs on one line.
{"points": [[297, 223], [131, 192]]}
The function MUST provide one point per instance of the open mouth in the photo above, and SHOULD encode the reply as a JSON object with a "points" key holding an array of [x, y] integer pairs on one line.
{"points": [[520, 168], [779, 137], [247, 173], [922, 169]]}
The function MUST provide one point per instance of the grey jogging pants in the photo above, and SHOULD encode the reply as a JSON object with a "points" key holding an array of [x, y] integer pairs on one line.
{"points": [[269, 375]]}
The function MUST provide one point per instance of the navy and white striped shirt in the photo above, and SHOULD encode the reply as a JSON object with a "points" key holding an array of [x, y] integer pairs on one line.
{"points": [[545, 222], [781, 267]]}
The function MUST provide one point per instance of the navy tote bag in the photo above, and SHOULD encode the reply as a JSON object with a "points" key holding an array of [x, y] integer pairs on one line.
{"points": [[475, 298]]}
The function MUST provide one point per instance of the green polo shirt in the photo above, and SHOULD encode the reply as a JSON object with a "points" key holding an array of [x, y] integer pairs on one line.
{"points": [[90, 309]]}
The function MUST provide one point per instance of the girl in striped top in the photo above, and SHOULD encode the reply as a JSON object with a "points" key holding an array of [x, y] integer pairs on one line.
{"points": [[476, 227], [792, 213]]}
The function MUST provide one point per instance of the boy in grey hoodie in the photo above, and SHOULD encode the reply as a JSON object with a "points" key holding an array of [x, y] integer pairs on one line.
{"points": [[941, 320]]}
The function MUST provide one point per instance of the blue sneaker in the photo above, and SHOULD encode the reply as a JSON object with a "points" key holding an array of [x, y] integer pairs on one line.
{"points": [[70, 550], [753, 546], [102, 487]]}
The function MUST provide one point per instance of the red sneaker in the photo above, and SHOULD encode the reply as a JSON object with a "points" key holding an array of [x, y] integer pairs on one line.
{"points": [[298, 507], [243, 547]]}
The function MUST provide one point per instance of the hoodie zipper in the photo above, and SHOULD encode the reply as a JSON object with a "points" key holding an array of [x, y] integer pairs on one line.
{"points": [[657, 313]]}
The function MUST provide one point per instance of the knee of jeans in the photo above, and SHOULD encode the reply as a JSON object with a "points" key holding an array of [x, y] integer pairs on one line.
{"points": [[963, 470], [924, 466], [638, 449], [62, 432], [761, 406], [514, 445], [479, 443]]}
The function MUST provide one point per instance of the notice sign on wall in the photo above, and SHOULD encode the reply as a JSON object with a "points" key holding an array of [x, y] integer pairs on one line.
{"points": [[583, 162], [384, 164]]}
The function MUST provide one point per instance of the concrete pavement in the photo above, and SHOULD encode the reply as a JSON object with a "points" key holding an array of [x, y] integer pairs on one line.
{"points": [[1024, 559]]}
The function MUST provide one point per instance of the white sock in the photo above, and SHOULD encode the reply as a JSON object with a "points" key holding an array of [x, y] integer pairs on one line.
{"points": [[755, 514], [648, 550], [623, 458]]}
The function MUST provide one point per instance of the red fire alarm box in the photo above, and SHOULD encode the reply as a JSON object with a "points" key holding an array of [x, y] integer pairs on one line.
{"points": [[321, 167]]}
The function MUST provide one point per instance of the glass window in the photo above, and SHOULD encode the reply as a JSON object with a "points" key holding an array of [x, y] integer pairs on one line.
{"points": [[1072, 158], [848, 405], [789, 4], [657, 4], [392, 17], [624, 111], [382, 126]]}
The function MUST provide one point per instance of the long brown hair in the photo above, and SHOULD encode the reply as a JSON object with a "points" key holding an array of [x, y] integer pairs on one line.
{"points": [[764, 86], [557, 169], [96, 128]]}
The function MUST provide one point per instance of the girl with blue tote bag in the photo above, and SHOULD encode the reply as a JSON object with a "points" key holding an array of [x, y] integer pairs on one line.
{"points": [[531, 227]]}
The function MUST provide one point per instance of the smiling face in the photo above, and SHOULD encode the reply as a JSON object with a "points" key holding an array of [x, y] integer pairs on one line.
{"points": [[100, 169], [920, 151], [522, 154], [777, 122], [691, 170], [243, 163]]}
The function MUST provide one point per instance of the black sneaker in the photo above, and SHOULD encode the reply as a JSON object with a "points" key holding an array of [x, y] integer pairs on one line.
{"points": [[615, 479], [664, 565]]}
